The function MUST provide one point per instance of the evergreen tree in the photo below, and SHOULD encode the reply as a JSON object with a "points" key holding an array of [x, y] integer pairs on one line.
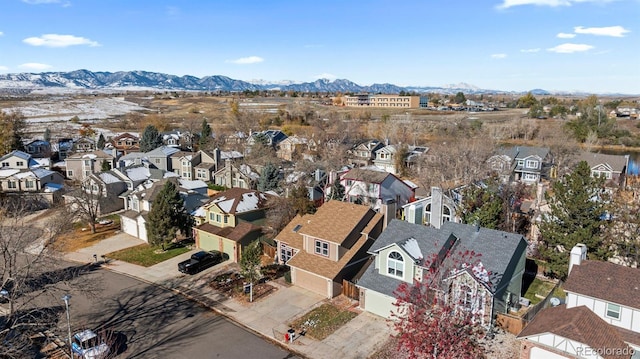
{"points": [[13, 127], [151, 139], [300, 200], [269, 178], [167, 216], [460, 99], [337, 190], [105, 166], [482, 206], [205, 134], [576, 206], [47, 135], [101, 142]]}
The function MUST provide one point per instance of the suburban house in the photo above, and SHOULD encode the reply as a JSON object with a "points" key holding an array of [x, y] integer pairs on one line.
{"points": [[386, 159], [404, 252], [522, 164], [328, 246], [195, 165], [38, 149], [433, 210], [161, 157], [363, 153], [315, 182], [20, 173], [599, 318], [64, 148], [178, 139], [612, 167], [126, 143], [80, 165], [375, 187], [236, 176], [104, 187], [138, 203], [230, 221], [84, 144], [273, 137], [292, 147]]}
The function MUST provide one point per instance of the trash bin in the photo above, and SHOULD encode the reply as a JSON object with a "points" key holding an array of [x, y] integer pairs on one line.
{"points": [[292, 334]]}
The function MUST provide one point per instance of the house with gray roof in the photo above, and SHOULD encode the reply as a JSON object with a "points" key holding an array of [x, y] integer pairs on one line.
{"points": [[20, 173], [161, 157], [80, 165], [522, 164], [432, 210], [375, 187], [612, 167], [489, 283]]}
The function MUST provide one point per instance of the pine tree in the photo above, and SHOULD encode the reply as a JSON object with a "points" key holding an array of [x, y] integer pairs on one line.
{"points": [[268, 178], [167, 216], [47, 135], [205, 134], [105, 166], [337, 190], [101, 142], [151, 139], [576, 205], [299, 197]]}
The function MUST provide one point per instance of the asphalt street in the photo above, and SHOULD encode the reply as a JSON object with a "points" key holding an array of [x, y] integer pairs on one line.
{"points": [[158, 323]]}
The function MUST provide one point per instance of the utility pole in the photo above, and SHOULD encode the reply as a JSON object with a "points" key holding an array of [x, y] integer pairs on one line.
{"points": [[66, 303]]}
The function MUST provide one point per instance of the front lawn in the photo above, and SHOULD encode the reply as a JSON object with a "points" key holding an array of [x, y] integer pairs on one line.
{"points": [[541, 288], [322, 321], [147, 255], [81, 236]]}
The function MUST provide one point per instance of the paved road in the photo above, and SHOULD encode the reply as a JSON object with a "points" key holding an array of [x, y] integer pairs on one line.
{"points": [[158, 323]]}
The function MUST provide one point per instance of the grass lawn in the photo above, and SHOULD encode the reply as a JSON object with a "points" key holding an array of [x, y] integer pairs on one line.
{"points": [[539, 287], [323, 320], [81, 236], [146, 255]]}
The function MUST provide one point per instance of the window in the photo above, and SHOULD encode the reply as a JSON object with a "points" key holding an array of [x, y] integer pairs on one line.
{"points": [[5, 164], [371, 187], [613, 311], [286, 253], [322, 248], [532, 164], [520, 163], [19, 164], [69, 173], [226, 218], [212, 217], [446, 214], [466, 298], [29, 184], [218, 218], [395, 264], [12, 184], [530, 177], [427, 214]]}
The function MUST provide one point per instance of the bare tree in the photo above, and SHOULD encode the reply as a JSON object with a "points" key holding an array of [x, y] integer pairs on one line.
{"points": [[84, 203]]}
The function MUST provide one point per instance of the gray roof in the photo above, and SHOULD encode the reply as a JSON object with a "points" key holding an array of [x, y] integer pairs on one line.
{"points": [[616, 162], [162, 151], [519, 152], [496, 249]]}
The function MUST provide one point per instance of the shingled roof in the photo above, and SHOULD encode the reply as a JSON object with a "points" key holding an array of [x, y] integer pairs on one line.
{"points": [[607, 281], [239, 200], [579, 324]]}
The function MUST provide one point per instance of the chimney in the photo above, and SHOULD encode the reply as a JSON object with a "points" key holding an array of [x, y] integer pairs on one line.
{"points": [[388, 210], [436, 207], [578, 254]]}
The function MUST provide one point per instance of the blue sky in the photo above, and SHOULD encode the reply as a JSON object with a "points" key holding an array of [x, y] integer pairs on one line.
{"points": [[519, 45]]}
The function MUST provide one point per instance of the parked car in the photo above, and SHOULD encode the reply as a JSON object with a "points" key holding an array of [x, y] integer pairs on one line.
{"points": [[87, 345], [200, 261]]}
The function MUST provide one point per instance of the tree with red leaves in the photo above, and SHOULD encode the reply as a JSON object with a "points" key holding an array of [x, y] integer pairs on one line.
{"points": [[431, 319]]}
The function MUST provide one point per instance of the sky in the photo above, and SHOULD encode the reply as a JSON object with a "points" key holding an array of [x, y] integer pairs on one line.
{"points": [[512, 45]]}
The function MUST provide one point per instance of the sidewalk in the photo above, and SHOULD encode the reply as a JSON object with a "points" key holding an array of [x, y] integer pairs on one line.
{"points": [[268, 316]]}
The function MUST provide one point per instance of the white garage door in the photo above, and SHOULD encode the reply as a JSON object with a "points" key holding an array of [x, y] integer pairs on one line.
{"points": [[129, 226]]}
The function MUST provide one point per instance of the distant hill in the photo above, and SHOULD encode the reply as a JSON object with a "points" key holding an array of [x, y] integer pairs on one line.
{"points": [[84, 80]]}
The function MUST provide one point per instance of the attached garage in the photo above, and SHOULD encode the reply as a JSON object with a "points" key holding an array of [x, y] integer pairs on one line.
{"points": [[312, 282], [377, 303], [129, 226]]}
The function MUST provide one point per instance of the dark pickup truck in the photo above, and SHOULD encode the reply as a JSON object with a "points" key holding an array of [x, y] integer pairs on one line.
{"points": [[200, 261]]}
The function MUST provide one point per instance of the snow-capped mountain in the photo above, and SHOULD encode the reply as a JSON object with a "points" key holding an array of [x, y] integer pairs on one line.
{"points": [[142, 80]]}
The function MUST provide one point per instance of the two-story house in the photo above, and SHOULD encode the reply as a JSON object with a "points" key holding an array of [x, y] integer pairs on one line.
{"points": [[161, 157], [612, 167], [194, 165], [178, 139], [230, 221], [433, 210], [80, 165], [363, 153], [522, 164], [20, 173], [386, 158], [38, 149], [139, 201], [600, 317], [375, 187], [273, 137], [292, 148], [236, 176], [64, 147], [405, 252], [328, 246], [84, 144], [126, 143]]}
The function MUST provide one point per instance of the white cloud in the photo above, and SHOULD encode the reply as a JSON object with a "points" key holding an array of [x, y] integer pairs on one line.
{"points": [[552, 3], [4, 68], [614, 31], [325, 76], [35, 66], [530, 50], [564, 35], [247, 60], [55, 40], [569, 48], [498, 56]]}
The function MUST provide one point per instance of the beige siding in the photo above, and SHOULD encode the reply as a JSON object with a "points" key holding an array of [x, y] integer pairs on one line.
{"points": [[377, 303], [311, 282]]}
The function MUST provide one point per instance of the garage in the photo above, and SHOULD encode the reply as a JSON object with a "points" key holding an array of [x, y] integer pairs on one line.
{"points": [[378, 303], [539, 353], [129, 225], [310, 281]]}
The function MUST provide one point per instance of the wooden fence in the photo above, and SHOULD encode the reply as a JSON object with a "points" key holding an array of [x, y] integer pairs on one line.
{"points": [[268, 250], [350, 290]]}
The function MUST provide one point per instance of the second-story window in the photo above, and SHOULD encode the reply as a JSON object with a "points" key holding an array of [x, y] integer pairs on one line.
{"points": [[613, 311], [322, 248], [395, 264], [532, 164]]}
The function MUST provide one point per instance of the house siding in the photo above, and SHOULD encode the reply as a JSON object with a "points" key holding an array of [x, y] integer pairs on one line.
{"points": [[378, 303], [312, 282], [408, 267], [629, 317]]}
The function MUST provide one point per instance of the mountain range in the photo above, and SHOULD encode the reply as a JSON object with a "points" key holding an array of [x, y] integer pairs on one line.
{"points": [[85, 80]]}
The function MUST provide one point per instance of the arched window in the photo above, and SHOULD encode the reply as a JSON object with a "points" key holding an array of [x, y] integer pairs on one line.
{"points": [[427, 214], [395, 264], [446, 214]]}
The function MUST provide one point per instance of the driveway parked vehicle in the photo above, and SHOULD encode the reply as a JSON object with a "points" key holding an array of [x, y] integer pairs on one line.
{"points": [[200, 261], [87, 345]]}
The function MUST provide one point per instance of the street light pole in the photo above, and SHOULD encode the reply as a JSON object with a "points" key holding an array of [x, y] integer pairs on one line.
{"points": [[66, 303]]}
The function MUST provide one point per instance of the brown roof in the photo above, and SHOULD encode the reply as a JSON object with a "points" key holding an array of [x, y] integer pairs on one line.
{"points": [[239, 200], [366, 175], [335, 221], [235, 234], [579, 324], [328, 268], [607, 281], [291, 237], [628, 336]]}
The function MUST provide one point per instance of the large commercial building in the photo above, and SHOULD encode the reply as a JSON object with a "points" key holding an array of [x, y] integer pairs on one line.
{"points": [[389, 101]]}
